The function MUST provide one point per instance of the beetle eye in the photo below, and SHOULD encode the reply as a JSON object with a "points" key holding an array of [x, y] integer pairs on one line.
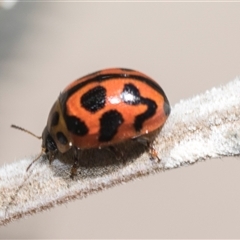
{"points": [[50, 144]]}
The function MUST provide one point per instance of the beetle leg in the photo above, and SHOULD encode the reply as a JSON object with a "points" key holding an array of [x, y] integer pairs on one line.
{"points": [[150, 146], [51, 156], [75, 165], [153, 153]]}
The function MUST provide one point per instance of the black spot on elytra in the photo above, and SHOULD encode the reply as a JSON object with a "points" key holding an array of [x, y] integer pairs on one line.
{"points": [[76, 126], [130, 94], [94, 99], [55, 119], [109, 124], [62, 138], [141, 118]]}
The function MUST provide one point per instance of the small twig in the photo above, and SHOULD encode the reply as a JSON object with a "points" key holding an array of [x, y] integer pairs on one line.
{"points": [[206, 126]]}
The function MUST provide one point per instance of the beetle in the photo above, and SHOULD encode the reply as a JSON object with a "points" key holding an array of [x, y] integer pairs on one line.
{"points": [[103, 109]]}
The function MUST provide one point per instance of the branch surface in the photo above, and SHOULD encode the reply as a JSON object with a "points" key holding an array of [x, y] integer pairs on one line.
{"points": [[206, 126]]}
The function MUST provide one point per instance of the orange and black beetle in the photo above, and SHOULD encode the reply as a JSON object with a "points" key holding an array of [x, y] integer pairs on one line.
{"points": [[104, 108]]}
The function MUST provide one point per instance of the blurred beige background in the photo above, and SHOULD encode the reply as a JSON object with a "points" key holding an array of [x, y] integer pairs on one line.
{"points": [[187, 47]]}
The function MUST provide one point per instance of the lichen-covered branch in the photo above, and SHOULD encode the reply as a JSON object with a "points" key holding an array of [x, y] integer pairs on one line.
{"points": [[206, 126]]}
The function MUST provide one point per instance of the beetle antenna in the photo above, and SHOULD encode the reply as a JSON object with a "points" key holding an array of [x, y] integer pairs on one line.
{"points": [[24, 130], [41, 153], [38, 137]]}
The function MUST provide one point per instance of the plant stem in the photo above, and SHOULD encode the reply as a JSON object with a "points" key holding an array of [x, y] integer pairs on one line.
{"points": [[206, 126]]}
